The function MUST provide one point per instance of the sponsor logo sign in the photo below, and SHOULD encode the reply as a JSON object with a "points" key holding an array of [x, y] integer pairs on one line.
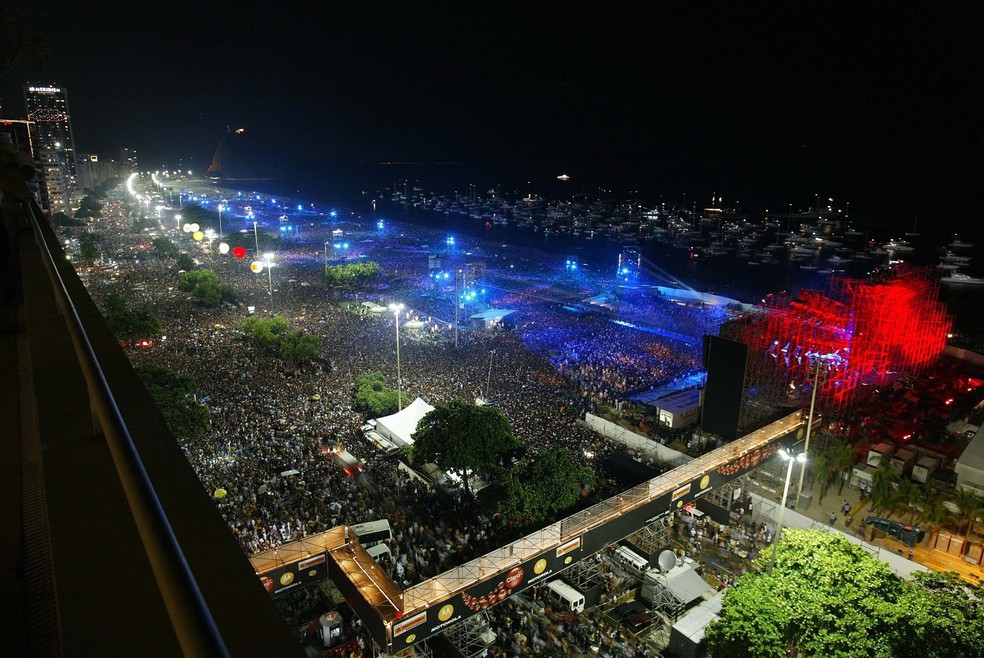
{"points": [[296, 574]]}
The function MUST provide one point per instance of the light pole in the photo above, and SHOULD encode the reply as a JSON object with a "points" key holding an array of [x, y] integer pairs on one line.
{"points": [[457, 303], [177, 220], [488, 381], [396, 308], [809, 426], [268, 263], [256, 239], [326, 258], [789, 457], [220, 221]]}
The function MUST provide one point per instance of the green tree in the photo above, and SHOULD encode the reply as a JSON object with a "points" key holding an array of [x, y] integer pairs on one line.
{"points": [[907, 499], [941, 617], [191, 279], [89, 244], [825, 597], [970, 507], [185, 262], [174, 394], [841, 461], [265, 332], [88, 207], [205, 286], [62, 220], [298, 346], [822, 472], [464, 439], [933, 514], [129, 323], [164, 247], [352, 276], [533, 490], [883, 483], [373, 397]]}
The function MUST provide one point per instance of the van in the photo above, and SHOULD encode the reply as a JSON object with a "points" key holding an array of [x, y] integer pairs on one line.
{"points": [[566, 596], [379, 550], [631, 559], [381, 443]]}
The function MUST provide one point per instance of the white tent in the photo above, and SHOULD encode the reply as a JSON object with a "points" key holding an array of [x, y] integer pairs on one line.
{"points": [[400, 426]]}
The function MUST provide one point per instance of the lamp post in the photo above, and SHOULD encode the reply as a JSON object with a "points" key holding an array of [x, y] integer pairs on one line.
{"points": [[488, 381], [268, 263], [220, 221], [801, 457], [396, 308], [809, 427], [326, 258], [457, 304], [256, 239], [177, 220]]}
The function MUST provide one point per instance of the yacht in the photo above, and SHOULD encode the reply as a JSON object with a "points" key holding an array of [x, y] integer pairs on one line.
{"points": [[900, 246], [959, 278], [959, 244]]}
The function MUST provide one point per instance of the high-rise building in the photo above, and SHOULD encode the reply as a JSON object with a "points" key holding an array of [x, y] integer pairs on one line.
{"points": [[47, 107]]}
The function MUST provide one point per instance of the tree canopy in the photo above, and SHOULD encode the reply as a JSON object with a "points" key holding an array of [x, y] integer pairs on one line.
{"points": [[532, 490], [274, 334], [828, 597], [464, 438], [89, 244], [205, 286], [186, 418], [164, 247], [351, 276], [373, 397], [127, 322], [88, 207]]}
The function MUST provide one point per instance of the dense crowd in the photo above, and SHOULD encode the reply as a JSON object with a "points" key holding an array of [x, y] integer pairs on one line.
{"points": [[272, 421]]}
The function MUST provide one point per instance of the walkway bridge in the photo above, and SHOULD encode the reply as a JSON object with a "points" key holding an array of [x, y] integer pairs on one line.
{"points": [[400, 618]]}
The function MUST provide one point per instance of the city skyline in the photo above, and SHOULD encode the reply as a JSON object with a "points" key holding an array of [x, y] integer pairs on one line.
{"points": [[867, 105]]}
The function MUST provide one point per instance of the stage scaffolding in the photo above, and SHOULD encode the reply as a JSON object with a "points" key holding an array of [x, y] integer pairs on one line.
{"points": [[860, 331]]}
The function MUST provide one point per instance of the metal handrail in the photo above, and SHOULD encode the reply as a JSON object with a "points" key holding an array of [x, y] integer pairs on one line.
{"points": [[194, 625]]}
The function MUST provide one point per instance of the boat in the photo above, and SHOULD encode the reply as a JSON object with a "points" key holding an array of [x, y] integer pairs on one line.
{"points": [[959, 278], [960, 244], [837, 260], [900, 246]]}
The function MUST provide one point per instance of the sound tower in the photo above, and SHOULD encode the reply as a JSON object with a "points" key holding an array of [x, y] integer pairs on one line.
{"points": [[725, 362]]}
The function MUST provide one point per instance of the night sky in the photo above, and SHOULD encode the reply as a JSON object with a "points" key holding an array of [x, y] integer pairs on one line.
{"points": [[768, 105]]}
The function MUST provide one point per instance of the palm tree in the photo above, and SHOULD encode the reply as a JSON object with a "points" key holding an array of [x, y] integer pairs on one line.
{"points": [[934, 515], [883, 485], [841, 458], [822, 472], [907, 497], [971, 506]]}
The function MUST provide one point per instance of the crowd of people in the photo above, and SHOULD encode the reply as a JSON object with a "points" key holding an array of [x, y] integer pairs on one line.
{"points": [[272, 422]]}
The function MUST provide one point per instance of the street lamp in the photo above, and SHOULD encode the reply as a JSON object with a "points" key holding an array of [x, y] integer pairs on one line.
{"points": [[396, 308], [809, 426], [256, 239], [268, 263], [326, 258], [788, 457], [220, 221], [177, 219], [488, 381]]}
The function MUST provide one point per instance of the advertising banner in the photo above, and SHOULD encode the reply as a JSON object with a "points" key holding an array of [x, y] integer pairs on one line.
{"points": [[296, 574], [537, 569]]}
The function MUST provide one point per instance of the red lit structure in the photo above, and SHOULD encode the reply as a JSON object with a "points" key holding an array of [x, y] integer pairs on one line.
{"points": [[861, 331]]}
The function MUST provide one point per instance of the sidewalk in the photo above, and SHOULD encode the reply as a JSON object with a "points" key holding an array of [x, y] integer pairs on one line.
{"points": [[883, 546]]}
